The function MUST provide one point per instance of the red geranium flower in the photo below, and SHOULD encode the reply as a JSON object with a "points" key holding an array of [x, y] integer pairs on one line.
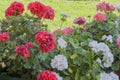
{"points": [[37, 8], [67, 30], [41, 10], [47, 75], [100, 17], [22, 51], [79, 20], [49, 14], [16, 8], [29, 45], [4, 36], [106, 7], [45, 40]]}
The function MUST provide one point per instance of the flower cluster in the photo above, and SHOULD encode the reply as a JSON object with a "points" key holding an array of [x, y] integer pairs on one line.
{"points": [[108, 76], [45, 40], [107, 55], [62, 43], [100, 17], [41, 10], [4, 36], [29, 45], [67, 30], [59, 62], [79, 20], [118, 42], [108, 38], [106, 7], [22, 51], [47, 75], [16, 8]]}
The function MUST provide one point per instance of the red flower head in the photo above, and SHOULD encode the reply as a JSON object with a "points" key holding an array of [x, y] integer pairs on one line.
{"points": [[100, 17], [118, 42], [106, 7], [29, 45], [67, 30], [16, 8], [47, 75], [49, 13], [41, 10], [45, 40], [79, 20], [22, 51], [37, 8], [4, 36]]}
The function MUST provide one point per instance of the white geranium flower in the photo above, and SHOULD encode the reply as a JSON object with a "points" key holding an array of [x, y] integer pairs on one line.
{"points": [[103, 47], [107, 55], [117, 6], [108, 59], [108, 38], [93, 43], [97, 47], [58, 76], [62, 43], [59, 62], [108, 76], [104, 37]]}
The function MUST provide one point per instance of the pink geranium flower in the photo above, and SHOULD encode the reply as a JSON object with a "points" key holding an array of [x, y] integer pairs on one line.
{"points": [[79, 20], [100, 17], [106, 7], [67, 30], [4, 36], [118, 42]]}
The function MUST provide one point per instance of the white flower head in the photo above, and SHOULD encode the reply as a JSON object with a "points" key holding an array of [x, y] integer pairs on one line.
{"points": [[117, 6], [108, 38], [62, 43], [104, 37], [108, 59], [107, 55], [103, 47], [93, 43], [108, 76], [58, 76], [97, 47], [59, 62]]}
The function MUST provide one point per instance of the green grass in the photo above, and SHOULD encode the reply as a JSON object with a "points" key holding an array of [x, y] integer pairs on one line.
{"points": [[73, 8]]}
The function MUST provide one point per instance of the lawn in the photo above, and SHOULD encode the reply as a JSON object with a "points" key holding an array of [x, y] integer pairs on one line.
{"points": [[74, 9]]}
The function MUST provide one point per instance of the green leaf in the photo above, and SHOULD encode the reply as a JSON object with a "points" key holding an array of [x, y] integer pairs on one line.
{"points": [[70, 70], [85, 36], [73, 43], [0, 58], [73, 56], [82, 51], [77, 75]]}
